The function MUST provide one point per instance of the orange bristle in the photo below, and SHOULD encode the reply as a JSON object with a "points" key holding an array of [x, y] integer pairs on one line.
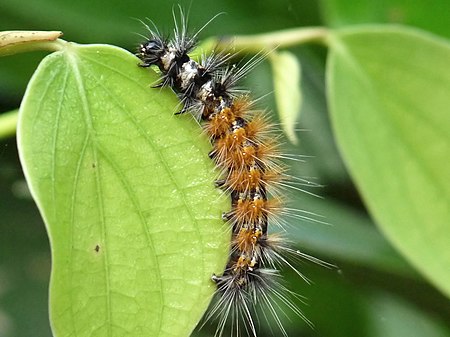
{"points": [[252, 177], [258, 129], [241, 106], [252, 211], [245, 240], [219, 124]]}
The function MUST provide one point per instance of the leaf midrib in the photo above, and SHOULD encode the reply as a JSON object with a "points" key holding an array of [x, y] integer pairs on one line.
{"points": [[73, 63]]}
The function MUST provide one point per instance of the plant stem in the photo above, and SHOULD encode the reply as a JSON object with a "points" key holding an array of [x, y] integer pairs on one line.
{"points": [[8, 123], [13, 42], [269, 41]]}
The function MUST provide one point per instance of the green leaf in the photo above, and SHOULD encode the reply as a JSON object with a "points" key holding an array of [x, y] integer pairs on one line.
{"points": [[389, 101], [286, 82], [126, 191]]}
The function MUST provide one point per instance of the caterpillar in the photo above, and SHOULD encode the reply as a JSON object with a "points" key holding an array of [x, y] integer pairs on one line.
{"points": [[246, 150]]}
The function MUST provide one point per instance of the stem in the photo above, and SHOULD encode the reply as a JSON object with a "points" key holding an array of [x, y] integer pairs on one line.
{"points": [[13, 42], [8, 124], [269, 41]]}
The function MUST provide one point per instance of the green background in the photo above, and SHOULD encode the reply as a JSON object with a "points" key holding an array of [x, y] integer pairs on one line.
{"points": [[373, 292]]}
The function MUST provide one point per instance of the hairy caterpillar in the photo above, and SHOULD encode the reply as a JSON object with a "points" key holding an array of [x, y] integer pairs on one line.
{"points": [[246, 150]]}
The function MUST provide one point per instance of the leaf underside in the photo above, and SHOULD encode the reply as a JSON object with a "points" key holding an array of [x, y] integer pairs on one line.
{"points": [[388, 90], [126, 191]]}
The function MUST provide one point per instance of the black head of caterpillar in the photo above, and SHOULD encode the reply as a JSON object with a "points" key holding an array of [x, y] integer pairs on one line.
{"points": [[152, 51], [204, 87], [246, 151], [198, 84]]}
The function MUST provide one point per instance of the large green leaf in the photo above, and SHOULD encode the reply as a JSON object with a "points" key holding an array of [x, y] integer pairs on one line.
{"points": [[388, 90], [126, 191]]}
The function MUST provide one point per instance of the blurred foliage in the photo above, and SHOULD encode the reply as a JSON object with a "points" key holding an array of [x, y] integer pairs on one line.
{"points": [[429, 15], [373, 292]]}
